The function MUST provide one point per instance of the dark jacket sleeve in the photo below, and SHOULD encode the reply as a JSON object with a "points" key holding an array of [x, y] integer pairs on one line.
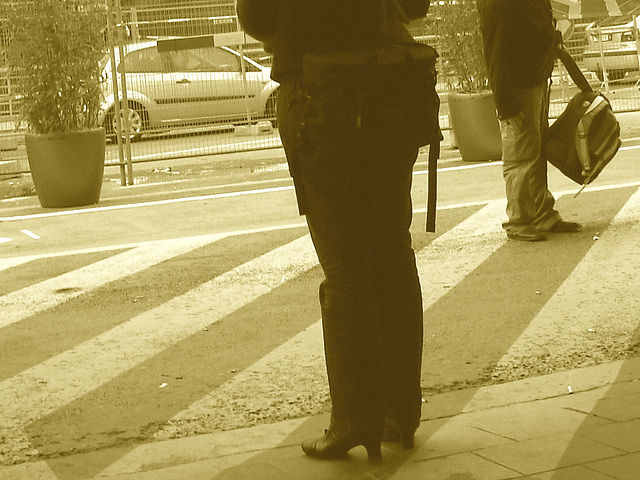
{"points": [[414, 8], [519, 46], [496, 32], [259, 18]]}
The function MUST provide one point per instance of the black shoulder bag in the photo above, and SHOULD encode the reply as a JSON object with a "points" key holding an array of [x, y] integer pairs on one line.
{"points": [[586, 136]]}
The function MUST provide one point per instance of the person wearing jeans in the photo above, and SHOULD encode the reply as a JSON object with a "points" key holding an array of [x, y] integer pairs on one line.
{"points": [[520, 45]]}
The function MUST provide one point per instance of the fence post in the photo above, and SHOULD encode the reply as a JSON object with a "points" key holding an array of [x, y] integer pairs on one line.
{"points": [[636, 33], [563, 79], [125, 101], [135, 32], [245, 92], [605, 75], [116, 92], [243, 69]]}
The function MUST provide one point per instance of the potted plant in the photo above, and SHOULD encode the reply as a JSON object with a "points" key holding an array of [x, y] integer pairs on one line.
{"points": [[472, 112], [56, 48]]}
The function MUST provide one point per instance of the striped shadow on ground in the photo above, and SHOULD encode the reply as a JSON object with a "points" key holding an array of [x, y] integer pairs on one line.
{"points": [[471, 327], [21, 273], [31, 300], [71, 385], [44, 388], [83, 317], [594, 314], [294, 373]]}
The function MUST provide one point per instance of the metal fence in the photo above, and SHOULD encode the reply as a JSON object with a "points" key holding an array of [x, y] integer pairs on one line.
{"points": [[192, 84]]}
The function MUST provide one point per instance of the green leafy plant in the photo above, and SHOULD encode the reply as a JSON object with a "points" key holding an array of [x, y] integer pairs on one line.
{"points": [[457, 25], [56, 48]]}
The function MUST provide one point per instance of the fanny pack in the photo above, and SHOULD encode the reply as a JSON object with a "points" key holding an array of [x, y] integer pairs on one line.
{"points": [[395, 88]]}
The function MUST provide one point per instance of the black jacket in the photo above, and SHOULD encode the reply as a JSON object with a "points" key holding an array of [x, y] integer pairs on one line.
{"points": [[291, 28], [519, 47]]}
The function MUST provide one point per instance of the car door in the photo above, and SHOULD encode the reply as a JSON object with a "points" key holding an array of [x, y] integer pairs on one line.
{"points": [[146, 72], [209, 84]]}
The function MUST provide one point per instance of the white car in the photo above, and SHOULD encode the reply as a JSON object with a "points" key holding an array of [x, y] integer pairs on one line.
{"points": [[186, 87], [614, 40]]}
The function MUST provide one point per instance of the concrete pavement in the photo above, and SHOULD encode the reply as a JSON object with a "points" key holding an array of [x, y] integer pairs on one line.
{"points": [[582, 424]]}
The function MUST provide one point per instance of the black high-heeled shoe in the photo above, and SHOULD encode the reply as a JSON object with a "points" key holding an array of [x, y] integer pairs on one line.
{"points": [[334, 446], [393, 432]]}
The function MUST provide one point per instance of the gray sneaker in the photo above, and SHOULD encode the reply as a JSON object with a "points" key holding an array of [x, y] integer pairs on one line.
{"points": [[527, 234], [563, 226]]}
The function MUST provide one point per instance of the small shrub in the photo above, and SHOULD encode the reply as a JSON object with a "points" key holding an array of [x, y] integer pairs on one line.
{"points": [[56, 48], [457, 24]]}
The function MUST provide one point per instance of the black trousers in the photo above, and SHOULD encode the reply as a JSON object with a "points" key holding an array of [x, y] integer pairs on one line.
{"points": [[354, 187]]}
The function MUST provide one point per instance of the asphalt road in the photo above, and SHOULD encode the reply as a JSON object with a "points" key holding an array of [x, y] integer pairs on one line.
{"points": [[185, 307]]}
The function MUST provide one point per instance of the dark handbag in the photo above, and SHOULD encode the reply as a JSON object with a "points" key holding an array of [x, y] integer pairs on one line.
{"points": [[586, 136], [395, 88]]}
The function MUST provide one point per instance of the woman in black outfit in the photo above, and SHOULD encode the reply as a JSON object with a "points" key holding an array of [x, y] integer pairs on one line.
{"points": [[353, 185]]}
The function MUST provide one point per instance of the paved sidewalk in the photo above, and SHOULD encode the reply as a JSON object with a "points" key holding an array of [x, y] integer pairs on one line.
{"points": [[577, 425]]}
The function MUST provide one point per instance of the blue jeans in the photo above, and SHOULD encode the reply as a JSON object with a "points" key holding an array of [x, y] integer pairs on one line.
{"points": [[354, 186], [529, 201]]}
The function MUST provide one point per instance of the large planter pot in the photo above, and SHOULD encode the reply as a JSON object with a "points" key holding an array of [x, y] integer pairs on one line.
{"points": [[67, 168], [475, 125]]}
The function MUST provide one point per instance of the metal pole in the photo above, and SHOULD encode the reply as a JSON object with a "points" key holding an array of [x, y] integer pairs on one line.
{"points": [[605, 75], [243, 69], [126, 127], [135, 32], [245, 90], [116, 93], [636, 32], [563, 79]]}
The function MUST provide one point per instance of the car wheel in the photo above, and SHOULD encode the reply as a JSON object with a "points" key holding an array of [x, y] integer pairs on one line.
{"points": [[271, 109], [138, 120]]}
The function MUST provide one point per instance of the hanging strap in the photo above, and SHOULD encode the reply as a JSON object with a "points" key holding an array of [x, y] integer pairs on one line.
{"points": [[584, 124], [432, 191], [574, 71]]}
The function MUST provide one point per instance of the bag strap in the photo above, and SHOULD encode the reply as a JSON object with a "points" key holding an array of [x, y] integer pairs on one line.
{"points": [[432, 193], [582, 147], [582, 142], [574, 71]]}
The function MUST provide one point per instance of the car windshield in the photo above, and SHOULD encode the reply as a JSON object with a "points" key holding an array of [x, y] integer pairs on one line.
{"points": [[211, 59], [204, 60]]}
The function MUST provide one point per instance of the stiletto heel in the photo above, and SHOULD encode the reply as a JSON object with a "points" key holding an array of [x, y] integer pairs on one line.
{"points": [[373, 451], [394, 433], [406, 438], [333, 446]]}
